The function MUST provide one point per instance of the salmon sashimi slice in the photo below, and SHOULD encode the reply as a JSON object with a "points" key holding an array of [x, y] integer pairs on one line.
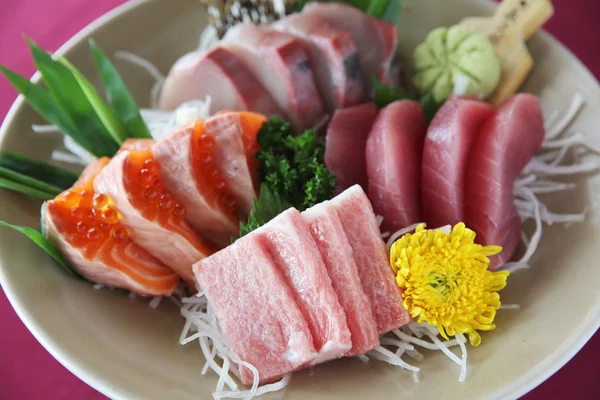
{"points": [[256, 309], [328, 232], [334, 57], [291, 245], [221, 75], [281, 63], [371, 257], [376, 40], [445, 157], [235, 136], [188, 169], [393, 154], [154, 217], [87, 229], [506, 143], [345, 144]]}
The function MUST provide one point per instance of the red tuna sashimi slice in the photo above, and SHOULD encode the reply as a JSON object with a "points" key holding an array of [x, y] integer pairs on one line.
{"points": [[86, 229], [256, 310], [345, 144], [295, 252], [328, 232], [153, 216], [223, 76], [393, 154], [188, 170], [445, 157], [235, 137], [500, 151], [371, 257], [376, 40], [334, 57], [280, 62]]}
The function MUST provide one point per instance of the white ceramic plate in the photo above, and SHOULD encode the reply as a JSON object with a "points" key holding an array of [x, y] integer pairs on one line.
{"points": [[128, 351]]}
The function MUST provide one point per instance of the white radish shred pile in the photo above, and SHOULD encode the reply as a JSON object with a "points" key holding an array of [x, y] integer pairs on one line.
{"points": [[201, 325]]}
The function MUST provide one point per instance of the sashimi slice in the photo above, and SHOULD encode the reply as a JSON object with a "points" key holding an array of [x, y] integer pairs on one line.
{"points": [[328, 232], [188, 169], [87, 230], [445, 157], [334, 57], [393, 154], [371, 258], [223, 76], [500, 151], [280, 62], [289, 242], [235, 144], [259, 318], [150, 212], [376, 40], [345, 144]]}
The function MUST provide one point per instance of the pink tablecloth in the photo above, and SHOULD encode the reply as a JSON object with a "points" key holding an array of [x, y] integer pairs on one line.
{"points": [[27, 371]]}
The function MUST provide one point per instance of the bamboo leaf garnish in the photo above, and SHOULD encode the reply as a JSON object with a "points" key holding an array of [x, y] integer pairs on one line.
{"points": [[106, 115], [69, 96], [41, 101], [39, 170], [43, 243], [119, 97]]}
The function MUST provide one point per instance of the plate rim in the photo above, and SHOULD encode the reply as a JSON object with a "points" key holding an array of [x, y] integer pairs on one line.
{"points": [[515, 390]]}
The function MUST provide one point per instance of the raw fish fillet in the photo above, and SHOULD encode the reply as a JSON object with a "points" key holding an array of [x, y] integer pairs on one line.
{"points": [[334, 57], [376, 40], [186, 175], [256, 310], [371, 257], [220, 74], [150, 213], [289, 241], [445, 157], [393, 154], [235, 137], [280, 62], [328, 232], [345, 144], [109, 259], [503, 147]]}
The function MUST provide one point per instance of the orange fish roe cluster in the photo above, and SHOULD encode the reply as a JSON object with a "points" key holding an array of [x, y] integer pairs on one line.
{"points": [[209, 179], [147, 188], [89, 219]]}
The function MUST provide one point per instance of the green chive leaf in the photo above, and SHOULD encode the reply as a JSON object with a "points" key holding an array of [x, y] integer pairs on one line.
{"points": [[43, 243], [25, 189], [118, 95], [58, 177]]}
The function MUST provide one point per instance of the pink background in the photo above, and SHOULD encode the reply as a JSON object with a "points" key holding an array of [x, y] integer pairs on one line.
{"points": [[27, 371]]}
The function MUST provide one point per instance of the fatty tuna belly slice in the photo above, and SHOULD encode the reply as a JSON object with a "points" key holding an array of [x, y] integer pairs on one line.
{"points": [[220, 74], [345, 144], [256, 310], [188, 170], [371, 257], [289, 241], [506, 143], [445, 157], [393, 153], [281, 64], [334, 57], [235, 139], [151, 214], [376, 40], [87, 231], [328, 232]]}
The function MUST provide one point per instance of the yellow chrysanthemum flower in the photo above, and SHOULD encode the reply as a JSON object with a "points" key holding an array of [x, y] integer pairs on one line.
{"points": [[446, 281]]}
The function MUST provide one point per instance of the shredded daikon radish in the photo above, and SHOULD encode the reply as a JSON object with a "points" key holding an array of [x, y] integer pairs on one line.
{"points": [[44, 128], [363, 358], [383, 354], [461, 84], [162, 123], [463, 366], [98, 286], [510, 307], [210, 37], [154, 303], [79, 151], [401, 232], [562, 124], [159, 77]]}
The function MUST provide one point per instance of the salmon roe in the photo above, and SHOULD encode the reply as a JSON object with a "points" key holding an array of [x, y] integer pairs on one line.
{"points": [[92, 218], [212, 184]]}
